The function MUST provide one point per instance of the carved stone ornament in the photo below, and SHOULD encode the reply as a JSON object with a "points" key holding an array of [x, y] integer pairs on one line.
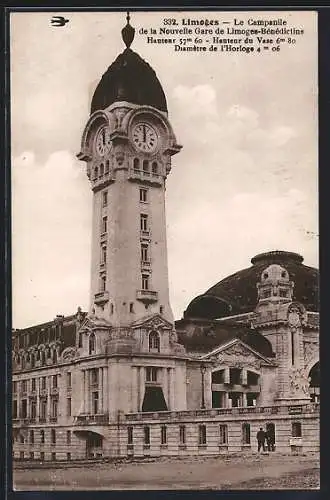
{"points": [[69, 353], [121, 333], [311, 351], [237, 357], [299, 382], [155, 323], [173, 337]]}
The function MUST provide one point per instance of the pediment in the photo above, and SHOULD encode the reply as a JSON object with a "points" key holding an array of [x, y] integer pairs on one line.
{"points": [[93, 323], [237, 353], [153, 322]]}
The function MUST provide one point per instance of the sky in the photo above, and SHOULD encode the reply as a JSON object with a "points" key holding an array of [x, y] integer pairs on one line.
{"points": [[244, 183]]}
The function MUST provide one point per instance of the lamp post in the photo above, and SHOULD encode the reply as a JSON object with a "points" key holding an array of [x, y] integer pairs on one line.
{"points": [[203, 370]]}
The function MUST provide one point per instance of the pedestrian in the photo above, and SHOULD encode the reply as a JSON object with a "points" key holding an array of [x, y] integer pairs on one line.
{"points": [[261, 436]]}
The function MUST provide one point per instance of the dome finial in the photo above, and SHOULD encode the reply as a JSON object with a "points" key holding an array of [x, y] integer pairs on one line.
{"points": [[128, 32]]}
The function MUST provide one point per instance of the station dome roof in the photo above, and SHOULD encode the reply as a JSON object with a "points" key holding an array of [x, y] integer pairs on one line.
{"points": [[237, 293]]}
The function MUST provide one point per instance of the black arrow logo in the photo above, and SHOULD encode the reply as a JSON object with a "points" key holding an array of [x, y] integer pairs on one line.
{"points": [[59, 21]]}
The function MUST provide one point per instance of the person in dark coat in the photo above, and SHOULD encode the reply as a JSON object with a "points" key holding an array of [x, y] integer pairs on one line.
{"points": [[261, 436]]}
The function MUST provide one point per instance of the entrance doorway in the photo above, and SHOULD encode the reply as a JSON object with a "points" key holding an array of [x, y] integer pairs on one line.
{"points": [[270, 429], [94, 445], [314, 385]]}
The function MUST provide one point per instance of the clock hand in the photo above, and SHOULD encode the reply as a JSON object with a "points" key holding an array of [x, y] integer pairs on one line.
{"points": [[144, 133]]}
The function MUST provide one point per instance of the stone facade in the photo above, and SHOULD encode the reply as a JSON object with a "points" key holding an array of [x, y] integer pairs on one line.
{"points": [[123, 379]]}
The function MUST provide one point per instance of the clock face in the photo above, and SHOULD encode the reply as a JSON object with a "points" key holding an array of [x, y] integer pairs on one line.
{"points": [[102, 141], [145, 137]]}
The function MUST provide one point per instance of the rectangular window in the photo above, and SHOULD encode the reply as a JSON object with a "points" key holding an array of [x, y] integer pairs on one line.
{"points": [[31, 437], [33, 409], [68, 380], [103, 254], [14, 387], [296, 429], [144, 222], [53, 456], [105, 199], [143, 195], [33, 384], [68, 437], [15, 408], [104, 228], [24, 408], [146, 432], [53, 436], [21, 455], [202, 434], [246, 434], [43, 383], [223, 434], [54, 381], [95, 402], [145, 282], [31, 455], [182, 434], [103, 283], [68, 456], [68, 407], [130, 434], [94, 376], [42, 437], [163, 435], [43, 409], [42, 455], [54, 408], [145, 252], [24, 386], [151, 374]]}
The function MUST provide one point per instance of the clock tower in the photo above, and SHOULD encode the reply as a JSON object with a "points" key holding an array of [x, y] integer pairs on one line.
{"points": [[127, 145]]}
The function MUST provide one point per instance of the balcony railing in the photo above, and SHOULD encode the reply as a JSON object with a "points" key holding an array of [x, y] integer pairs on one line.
{"points": [[147, 176], [102, 418], [147, 295], [101, 297], [215, 412]]}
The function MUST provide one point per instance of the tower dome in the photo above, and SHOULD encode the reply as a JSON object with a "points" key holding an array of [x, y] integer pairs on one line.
{"points": [[129, 78]]}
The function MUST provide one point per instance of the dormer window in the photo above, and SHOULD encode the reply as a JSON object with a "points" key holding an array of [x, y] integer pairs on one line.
{"points": [[154, 342], [91, 344]]}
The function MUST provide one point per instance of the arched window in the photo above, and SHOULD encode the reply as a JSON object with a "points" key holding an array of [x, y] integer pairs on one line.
{"points": [[136, 164], [101, 170], [54, 356], [107, 164], [80, 340], [37, 355], [92, 343], [23, 362], [154, 167], [18, 359], [32, 361], [145, 166], [154, 341], [96, 173]]}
